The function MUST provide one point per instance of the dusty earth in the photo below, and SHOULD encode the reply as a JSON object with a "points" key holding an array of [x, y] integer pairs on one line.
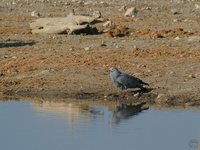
{"points": [[161, 45]]}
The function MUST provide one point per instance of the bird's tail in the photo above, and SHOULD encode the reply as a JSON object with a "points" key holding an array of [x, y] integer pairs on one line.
{"points": [[145, 83]]}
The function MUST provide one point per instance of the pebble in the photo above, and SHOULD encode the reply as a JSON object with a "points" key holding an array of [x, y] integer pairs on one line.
{"points": [[1, 74], [14, 57], [197, 6], [177, 20], [161, 98], [35, 14], [122, 8], [97, 14], [103, 44], [136, 95], [131, 12], [175, 11], [171, 72], [71, 49], [192, 76], [107, 24], [177, 38], [149, 71], [87, 48], [135, 47]]}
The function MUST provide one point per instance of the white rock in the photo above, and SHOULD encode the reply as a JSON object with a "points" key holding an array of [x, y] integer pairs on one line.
{"points": [[107, 24], [35, 14], [14, 57], [97, 14], [197, 6], [122, 8], [87, 48], [192, 76], [131, 12], [161, 98], [177, 20], [174, 11], [177, 38], [137, 94]]}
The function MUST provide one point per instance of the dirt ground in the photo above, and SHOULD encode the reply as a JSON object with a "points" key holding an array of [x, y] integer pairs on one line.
{"points": [[161, 45]]}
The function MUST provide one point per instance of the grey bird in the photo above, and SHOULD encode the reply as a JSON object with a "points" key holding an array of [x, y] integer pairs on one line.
{"points": [[125, 81]]}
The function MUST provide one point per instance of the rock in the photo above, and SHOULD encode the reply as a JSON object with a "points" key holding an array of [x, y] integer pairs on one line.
{"points": [[14, 57], [122, 8], [35, 14], [131, 12], [135, 47], [171, 72], [97, 14], [177, 20], [197, 6], [70, 24], [149, 71], [103, 44], [87, 48], [177, 38], [107, 24], [1, 74], [137, 94], [192, 76], [175, 11], [161, 98], [71, 49], [194, 38]]}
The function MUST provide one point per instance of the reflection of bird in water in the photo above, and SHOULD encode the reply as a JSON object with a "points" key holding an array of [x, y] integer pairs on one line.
{"points": [[125, 111]]}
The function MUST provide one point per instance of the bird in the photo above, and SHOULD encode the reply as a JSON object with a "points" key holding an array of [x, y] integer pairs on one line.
{"points": [[125, 81]]}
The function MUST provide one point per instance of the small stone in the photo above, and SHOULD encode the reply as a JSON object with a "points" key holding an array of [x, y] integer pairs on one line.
{"points": [[161, 98], [197, 6], [177, 20], [14, 3], [14, 57], [71, 49], [148, 8], [136, 95], [192, 76], [174, 11], [117, 46], [149, 70], [123, 8], [177, 38], [1, 74], [86, 48], [35, 14], [135, 47], [103, 44], [97, 14], [107, 24], [131, 12]]}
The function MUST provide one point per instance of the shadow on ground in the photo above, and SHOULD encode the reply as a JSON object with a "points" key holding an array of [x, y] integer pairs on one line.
{"points": [[16, 44]]}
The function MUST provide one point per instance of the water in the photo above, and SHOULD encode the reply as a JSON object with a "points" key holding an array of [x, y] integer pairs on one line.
{"points": [[58, 125]]}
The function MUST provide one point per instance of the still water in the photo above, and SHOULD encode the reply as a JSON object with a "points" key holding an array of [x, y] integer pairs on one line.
{"points": [[27, 125]]}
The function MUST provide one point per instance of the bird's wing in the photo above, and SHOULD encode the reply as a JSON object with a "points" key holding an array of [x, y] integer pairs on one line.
{"points": [[123, 79], [129, 81], [139, 80]]}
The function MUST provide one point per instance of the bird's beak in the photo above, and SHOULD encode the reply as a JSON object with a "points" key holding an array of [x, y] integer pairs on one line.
{"points": [[110, 69]]}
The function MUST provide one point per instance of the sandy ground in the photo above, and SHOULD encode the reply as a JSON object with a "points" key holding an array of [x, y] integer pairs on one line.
{"points": [[160, 46]]}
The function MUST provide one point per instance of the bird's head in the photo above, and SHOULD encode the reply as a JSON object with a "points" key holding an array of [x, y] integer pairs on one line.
{"points": [[114, 70]]}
